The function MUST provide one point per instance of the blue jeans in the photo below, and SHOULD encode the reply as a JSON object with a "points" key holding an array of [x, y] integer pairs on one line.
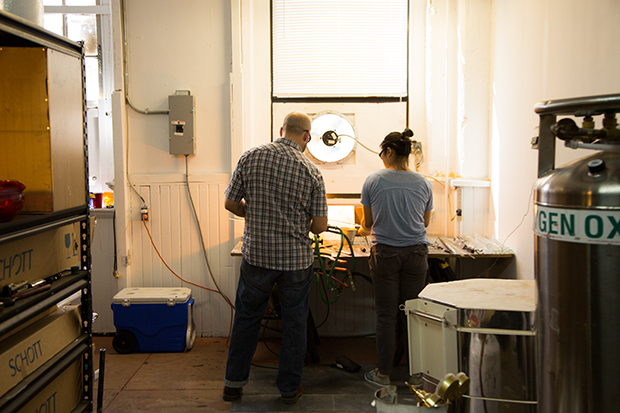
{"points": [[398, 274], [253, 292]]}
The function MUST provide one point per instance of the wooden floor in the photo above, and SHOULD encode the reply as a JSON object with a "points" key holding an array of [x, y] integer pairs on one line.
{"points": [[193, 381]]}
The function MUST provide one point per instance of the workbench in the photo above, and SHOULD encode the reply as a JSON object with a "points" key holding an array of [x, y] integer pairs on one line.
{"points": [[495, 263], [353, 315]]}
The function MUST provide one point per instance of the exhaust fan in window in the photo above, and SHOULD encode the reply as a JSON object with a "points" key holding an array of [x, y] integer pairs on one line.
{"points": [[334, 137]]}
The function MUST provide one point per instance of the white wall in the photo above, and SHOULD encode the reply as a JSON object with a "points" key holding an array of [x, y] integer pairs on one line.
{"points": [[181, 45], [542, 50], [476, 75], [450, 66]]}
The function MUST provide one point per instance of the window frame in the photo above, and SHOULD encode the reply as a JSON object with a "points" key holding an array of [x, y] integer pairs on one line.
{"points": [[99, 113], [339, 99], [104, 43]]}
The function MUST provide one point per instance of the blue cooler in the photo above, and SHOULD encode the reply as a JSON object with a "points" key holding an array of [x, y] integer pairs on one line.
{"points": [[153, 320]]}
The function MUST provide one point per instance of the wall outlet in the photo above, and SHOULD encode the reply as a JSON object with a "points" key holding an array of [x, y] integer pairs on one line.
{"points": [[125, 260], [144, 213]]}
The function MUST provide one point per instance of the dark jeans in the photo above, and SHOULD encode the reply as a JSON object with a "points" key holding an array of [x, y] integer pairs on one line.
{"points": [[255, 287], [398, 274]]}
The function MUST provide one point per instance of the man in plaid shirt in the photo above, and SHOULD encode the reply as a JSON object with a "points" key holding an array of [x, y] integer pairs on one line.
{"points": [[281, 194]]}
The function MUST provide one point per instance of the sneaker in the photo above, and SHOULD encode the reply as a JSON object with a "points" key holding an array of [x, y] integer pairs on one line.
{"points": [[376, 378], [232, 393], [293, 398]]}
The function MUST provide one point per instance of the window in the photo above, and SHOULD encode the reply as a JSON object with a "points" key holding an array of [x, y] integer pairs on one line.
{"points": [[89, 21], [74, 22], [339, 48], [81, 27]]}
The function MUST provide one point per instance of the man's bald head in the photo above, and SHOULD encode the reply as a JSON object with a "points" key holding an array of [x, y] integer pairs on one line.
{"points": [[295, 124]]}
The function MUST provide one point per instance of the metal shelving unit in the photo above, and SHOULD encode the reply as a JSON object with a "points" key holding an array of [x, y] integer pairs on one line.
{"points": [[17, 32]]}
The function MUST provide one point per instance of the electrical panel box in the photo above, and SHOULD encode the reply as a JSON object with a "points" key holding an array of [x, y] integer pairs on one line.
{"points": [[182, 120]]}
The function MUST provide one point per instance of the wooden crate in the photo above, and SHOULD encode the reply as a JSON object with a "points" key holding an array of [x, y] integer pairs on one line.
{"points": [[41, 127]]}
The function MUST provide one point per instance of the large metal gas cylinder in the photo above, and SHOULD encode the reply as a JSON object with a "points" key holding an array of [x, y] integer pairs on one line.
{"points": [[577, 259]]}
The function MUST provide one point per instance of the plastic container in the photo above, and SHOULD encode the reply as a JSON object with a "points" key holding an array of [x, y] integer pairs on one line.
{"points": [[97, 200], [153, 320], [108, 199], [11, 199]]}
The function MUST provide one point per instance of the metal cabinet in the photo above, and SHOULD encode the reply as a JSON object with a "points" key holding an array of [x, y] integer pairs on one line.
{"points": [[52, 246], [483, 327]]}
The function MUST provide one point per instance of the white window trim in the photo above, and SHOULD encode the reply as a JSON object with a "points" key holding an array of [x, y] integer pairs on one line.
{"points": [[368, 59], [103, 10]]}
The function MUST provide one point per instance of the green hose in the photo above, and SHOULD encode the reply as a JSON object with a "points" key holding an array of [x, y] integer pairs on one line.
{"points": [[329, 276]]}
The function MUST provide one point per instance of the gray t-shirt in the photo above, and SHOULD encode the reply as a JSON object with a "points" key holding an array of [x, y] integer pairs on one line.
{"points": [[398, 200]]}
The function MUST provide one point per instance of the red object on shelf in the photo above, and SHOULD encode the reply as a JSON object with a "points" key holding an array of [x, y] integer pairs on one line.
{"points": [[98, 200], [11, 199]]}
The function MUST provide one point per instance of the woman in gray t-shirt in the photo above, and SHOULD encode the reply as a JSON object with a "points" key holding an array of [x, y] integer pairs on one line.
{"points": [[397, 209]]}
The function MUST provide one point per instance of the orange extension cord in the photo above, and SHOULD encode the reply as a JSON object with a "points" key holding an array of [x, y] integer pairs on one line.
{"points": [[189, 282]]}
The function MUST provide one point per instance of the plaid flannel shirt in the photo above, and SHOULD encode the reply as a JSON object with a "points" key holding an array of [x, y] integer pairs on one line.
{"points": [[282, 189]]}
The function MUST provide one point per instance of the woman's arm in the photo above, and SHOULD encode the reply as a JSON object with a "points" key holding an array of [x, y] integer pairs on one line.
{"points": [[366, 222], [427, 218]]}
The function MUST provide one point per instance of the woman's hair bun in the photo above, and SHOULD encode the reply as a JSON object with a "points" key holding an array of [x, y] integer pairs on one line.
{"points": [[400, 142]]}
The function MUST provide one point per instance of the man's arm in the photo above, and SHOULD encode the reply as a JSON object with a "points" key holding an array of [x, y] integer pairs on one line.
{"points": [[237, 208], [318, 224]]}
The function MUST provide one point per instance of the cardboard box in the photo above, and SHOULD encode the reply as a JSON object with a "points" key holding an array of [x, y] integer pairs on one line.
{"points": [[24, 352], [40, 255], [60, 396], [42, 127]]}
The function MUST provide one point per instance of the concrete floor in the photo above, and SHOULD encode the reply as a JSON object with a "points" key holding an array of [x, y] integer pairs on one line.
{"points": [[193, 381]]}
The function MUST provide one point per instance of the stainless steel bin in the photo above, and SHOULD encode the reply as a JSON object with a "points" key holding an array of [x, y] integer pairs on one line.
{"points": [[485, 328]]}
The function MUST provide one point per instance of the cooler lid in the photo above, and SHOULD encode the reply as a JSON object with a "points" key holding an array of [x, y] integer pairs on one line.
{"points": [[152, 295], [484, 294]]}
